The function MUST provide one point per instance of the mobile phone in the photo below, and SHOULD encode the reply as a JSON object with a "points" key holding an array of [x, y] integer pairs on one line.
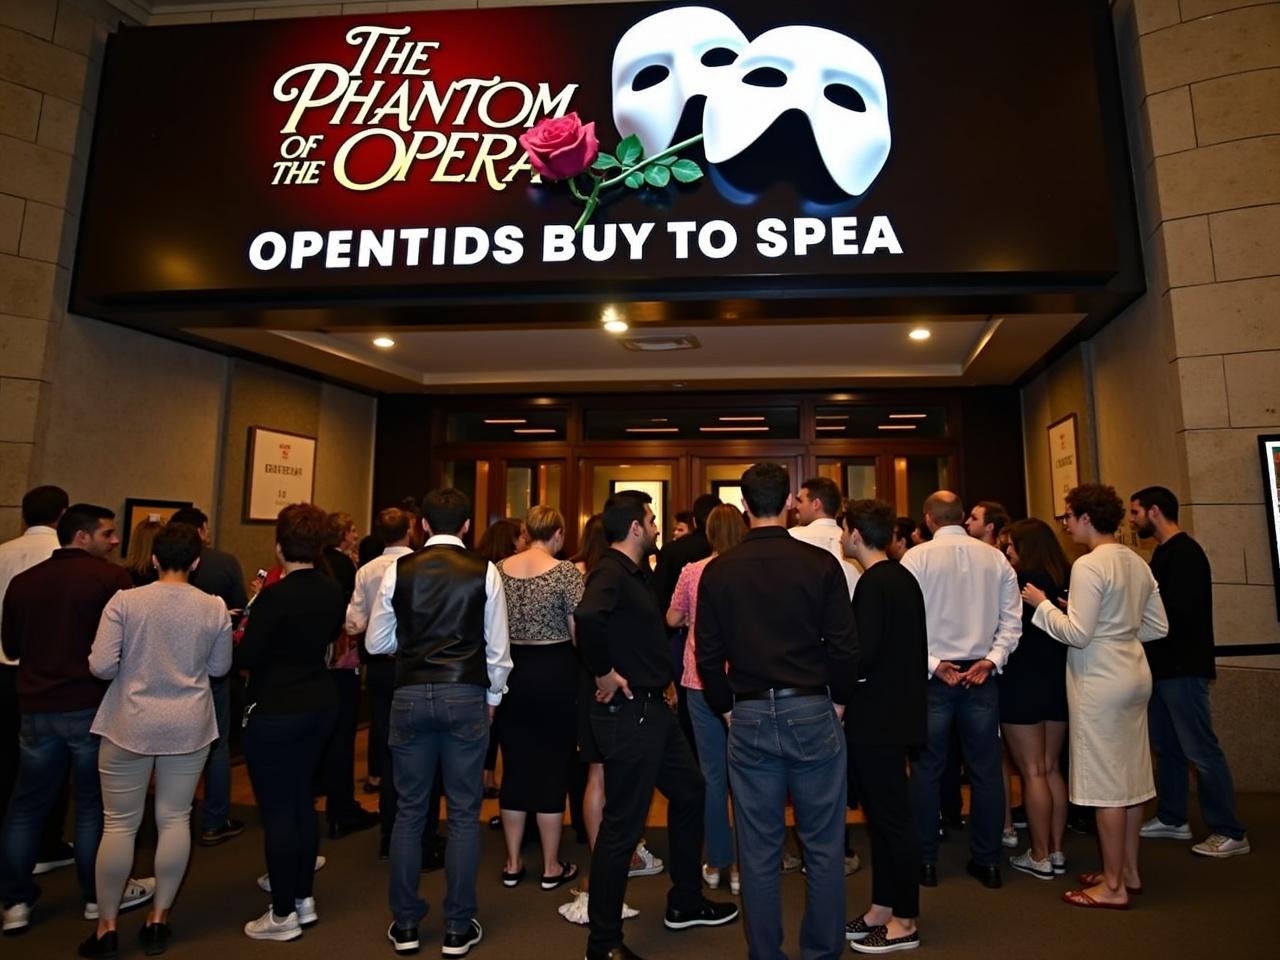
{"points": [[262, 574]]}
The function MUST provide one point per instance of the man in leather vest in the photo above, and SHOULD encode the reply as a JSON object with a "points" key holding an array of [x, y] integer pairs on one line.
{"points": [[442, 612]]}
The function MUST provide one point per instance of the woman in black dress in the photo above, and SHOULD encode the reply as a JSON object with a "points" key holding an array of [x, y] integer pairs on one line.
{"points": [[1033, 701], [539, 716]]}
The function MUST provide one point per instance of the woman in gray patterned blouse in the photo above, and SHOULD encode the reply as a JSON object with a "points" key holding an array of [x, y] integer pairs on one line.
{"points": [[537, 723], [158, 645]]}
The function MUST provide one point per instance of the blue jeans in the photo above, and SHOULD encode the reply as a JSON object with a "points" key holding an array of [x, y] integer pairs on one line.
{"points": [[795, 746], [449, 723], [1182, 733], [976, 713], [712, 738], [215, 809], [48, 742]]}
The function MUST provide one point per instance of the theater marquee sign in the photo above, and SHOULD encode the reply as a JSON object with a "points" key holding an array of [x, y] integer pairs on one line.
{"points": [[639, 151]]}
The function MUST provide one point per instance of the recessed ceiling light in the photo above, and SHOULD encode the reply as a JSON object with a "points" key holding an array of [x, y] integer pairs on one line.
{"points": [[739, 419], [890, 426], [615, 325], [534, 430], [507, 421], [919, 333], [733, 429], [838, 426], [908, 416], [653, 429], [384, 342]]}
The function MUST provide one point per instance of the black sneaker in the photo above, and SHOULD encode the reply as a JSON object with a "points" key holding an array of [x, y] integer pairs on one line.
{"points": [[154, 938], [460, 944], [710, 914], [404, 939], [229, 830], [105, 946]]}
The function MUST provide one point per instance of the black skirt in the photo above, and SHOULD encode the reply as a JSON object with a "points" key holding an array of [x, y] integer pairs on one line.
{"points": [[537, 727]]}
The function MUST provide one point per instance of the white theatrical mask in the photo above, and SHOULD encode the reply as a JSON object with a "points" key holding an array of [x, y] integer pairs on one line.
{"points": [[854, 144], [675, 40]]}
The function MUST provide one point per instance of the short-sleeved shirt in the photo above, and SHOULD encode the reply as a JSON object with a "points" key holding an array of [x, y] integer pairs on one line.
{"points": [[539, 608]]}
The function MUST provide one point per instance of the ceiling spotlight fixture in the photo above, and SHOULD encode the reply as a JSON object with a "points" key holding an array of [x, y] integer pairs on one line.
{"points": [[384, 342], [616, 326], [919, 333]]}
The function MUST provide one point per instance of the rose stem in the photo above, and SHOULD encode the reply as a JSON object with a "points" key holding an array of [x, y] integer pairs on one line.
{"points": [[590, 208], [648, 160]]}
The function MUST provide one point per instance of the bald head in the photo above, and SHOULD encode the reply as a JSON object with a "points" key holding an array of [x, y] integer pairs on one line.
{"points": [[943, 508]]}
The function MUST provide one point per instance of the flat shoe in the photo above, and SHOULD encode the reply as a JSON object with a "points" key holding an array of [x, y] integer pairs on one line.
{"points": [[1078, 898], [1095, 878], [567, 872], [511, 879]]}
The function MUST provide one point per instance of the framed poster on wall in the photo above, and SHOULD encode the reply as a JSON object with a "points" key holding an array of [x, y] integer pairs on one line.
{"points": [[1064, 458], [728, 491], [138, 509], [280, 469], [1269, 450], [656, 489]]}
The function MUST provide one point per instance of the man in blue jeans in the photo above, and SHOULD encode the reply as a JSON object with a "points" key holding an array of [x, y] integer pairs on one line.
{"points": [[442, 612], [973, 615], [1182, 664], [50, 618], [776, 609]]}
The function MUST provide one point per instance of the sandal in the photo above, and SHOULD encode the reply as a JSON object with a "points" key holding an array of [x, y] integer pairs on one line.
{"points": [[567, 872], [1095, 878], [1079, 898], [512, 879]]}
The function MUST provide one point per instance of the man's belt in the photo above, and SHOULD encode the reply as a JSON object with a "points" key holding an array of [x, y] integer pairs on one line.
{"points": [[781, 693]]}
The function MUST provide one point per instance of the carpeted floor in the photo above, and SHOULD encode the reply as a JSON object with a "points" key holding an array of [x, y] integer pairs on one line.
{"points": [[1192, 907]]}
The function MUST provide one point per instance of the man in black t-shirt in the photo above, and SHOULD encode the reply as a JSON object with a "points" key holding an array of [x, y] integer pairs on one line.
{"points": [[1182, 664]]}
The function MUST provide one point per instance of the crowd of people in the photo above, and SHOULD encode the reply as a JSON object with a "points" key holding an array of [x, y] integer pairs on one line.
{"points": [[751, 666]]}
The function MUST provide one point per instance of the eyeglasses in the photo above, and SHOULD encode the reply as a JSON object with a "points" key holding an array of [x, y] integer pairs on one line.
{"points": [[1064, 517]]}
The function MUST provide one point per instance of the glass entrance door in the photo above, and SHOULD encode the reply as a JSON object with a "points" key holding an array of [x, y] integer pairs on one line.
{"points": [[663, 479]]}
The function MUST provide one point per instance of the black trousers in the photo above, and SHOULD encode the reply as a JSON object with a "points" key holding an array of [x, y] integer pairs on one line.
{"points": [[339, 767], [881, 774], [644, 748], [281, 752], [380, 678]]}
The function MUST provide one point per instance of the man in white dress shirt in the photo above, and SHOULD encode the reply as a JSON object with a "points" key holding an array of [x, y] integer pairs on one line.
{"points": [[974, 619], [41, 509], [817, 504]]}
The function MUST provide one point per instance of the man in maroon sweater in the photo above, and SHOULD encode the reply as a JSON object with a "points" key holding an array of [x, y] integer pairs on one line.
{"points": [[50, 617]]}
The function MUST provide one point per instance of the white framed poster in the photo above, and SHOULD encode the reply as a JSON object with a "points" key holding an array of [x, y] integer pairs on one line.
{"points": [[280, 470], [1269, 451], [1064, 458]]}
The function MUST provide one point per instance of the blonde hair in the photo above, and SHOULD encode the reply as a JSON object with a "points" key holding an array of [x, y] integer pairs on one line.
{"points": [[542, 523], [725, 528], [140, 541]]}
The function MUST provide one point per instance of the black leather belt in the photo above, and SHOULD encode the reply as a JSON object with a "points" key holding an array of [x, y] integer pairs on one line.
{"points": [[781, 693]]}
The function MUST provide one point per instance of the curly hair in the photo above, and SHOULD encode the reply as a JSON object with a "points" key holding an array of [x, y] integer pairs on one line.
{"points": [[1100, 503]]}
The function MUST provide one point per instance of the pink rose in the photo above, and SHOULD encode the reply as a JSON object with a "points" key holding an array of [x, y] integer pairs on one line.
{"points": [[561, 147]]}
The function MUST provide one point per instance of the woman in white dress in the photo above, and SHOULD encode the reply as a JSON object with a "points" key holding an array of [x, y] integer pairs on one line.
{"points": [[1112, 608]]}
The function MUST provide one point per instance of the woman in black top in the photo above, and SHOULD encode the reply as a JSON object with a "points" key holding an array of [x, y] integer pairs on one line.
{"points": [[1033, 701], [290, 706], [886, 717]]}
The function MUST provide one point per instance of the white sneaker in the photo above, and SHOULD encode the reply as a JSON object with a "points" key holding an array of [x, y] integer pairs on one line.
{"points": [[17, 918], [711, 876], [1155, 827], [735, 881], [1009, 838], [270, 927], [1216, 845], [136, 893], [791, 863], [65, 856], [306, 911], [575, 911], [644, 863], [264, 881], [852, 864], [1058, 860], [1040, 869]]}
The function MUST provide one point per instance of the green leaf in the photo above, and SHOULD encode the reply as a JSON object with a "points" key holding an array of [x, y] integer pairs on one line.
{"points": [[656, 175], [630, 151], [666, 161], [635, 179], [686, 171], [605, 161]]}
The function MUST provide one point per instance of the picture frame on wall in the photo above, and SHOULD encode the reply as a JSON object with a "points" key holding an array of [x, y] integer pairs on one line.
{"points": [[728, 491], [1269, 453], [280, 469], [138, 509], [1064, 459], [657, 491]]}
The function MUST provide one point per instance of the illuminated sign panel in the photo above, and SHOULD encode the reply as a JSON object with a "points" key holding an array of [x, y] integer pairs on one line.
{"points": [[641, 151]]}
